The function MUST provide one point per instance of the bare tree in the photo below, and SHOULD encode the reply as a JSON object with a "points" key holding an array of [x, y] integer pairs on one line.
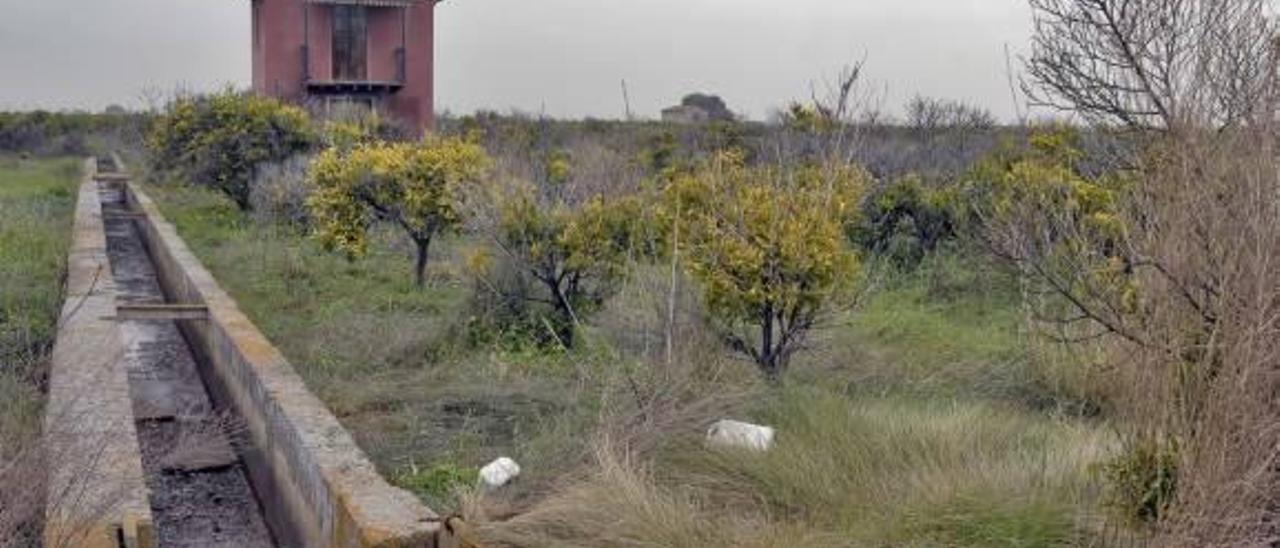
{"points": [[928, 115], [1185, 285], [830, 128], [1152, 63]]}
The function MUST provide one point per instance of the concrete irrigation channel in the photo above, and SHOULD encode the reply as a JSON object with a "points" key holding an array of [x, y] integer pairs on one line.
{"points": [[173, 421]]}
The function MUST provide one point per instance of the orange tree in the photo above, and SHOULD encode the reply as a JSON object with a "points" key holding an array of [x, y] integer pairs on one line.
{"points": [[769, 247], [574, 254], [1035, 208], [416, 186]]}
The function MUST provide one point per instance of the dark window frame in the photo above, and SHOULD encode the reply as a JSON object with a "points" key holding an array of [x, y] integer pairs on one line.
{"points": [[350, 42]]}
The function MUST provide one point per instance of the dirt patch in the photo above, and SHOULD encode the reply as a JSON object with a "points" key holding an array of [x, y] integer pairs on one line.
{"points": [[212, 507]]}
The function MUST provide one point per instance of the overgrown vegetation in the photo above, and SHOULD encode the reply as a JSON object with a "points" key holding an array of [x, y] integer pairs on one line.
{"points": [[1063, 333], [1165, 253], [54, 134], [606, 419], [965, 334], [38, 199], [429, 405]]}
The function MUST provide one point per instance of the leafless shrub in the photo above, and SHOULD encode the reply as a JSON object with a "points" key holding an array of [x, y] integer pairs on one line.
{"points": [[1196, 347], [279, 191], [599, 169], [1153, 63], [830, 128], [928, 116], [1214, 246]]}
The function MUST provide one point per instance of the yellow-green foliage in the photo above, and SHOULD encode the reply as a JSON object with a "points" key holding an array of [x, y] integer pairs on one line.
{"points": [[1142, 480], [808, 119], [359, 128], [559, 167], [1046, 177], [769, 247], [218, 140], [575, 254], [417, 186], [344, 136], [1040, 197]]}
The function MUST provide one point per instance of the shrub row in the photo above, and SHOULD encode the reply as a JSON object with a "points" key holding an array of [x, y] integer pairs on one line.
{"points": [[44, 133], [219, 140]]}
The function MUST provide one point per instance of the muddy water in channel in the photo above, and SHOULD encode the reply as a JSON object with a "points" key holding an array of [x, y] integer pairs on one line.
{"points": [[200, 491]]}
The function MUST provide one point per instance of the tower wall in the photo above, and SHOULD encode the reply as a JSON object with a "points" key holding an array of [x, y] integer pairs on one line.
{"points": [[282, 27]]}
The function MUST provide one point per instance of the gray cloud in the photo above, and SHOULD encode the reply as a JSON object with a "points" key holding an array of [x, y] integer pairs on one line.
{"points": [[561, 57]]}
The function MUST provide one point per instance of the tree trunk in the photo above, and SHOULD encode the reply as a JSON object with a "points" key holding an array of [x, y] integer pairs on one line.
{"points": [[565, 331], [670, 334], [420, 269], [767, 358]]}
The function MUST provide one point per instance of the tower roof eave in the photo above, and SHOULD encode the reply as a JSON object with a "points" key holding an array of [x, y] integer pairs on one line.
{"points": [[378, 3]]}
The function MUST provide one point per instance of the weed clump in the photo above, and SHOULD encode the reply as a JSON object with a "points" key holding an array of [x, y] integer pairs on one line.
{"points": [[436, 482], [1142, 481]]}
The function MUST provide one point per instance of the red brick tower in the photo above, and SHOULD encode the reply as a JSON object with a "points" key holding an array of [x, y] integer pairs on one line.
{"points": [[377, 53]]}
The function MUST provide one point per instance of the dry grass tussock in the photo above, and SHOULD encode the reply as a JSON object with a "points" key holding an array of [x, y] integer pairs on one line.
{"points": [[1220, 386], [844, 473], [622, 504], [21, 488]]}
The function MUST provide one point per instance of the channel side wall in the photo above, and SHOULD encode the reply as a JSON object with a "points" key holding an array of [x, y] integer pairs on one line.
{"points": [[96, 495], [317, 487]]}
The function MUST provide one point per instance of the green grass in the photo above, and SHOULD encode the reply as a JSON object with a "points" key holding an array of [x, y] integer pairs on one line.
{"points": [[333, 316], [952, 328], [949, 327], [436, 483], [918, 419], [37, 198]]}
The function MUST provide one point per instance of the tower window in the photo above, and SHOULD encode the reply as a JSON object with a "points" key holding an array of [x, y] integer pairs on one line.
{"points": [[350, 37]]}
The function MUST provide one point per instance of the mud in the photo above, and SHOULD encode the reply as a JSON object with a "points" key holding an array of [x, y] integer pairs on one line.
{"points": [[200, 491]]}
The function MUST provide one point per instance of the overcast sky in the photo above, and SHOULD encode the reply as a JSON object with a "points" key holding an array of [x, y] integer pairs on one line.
{"points": [[566, 58]]}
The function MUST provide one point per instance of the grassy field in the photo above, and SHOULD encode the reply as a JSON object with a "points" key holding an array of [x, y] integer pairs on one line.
{"points": [[37, 201], [919, 419]]}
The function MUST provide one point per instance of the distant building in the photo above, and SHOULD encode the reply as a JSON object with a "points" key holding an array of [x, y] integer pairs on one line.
{"points": [[697, 108], [374, 53], [685, 114]]}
